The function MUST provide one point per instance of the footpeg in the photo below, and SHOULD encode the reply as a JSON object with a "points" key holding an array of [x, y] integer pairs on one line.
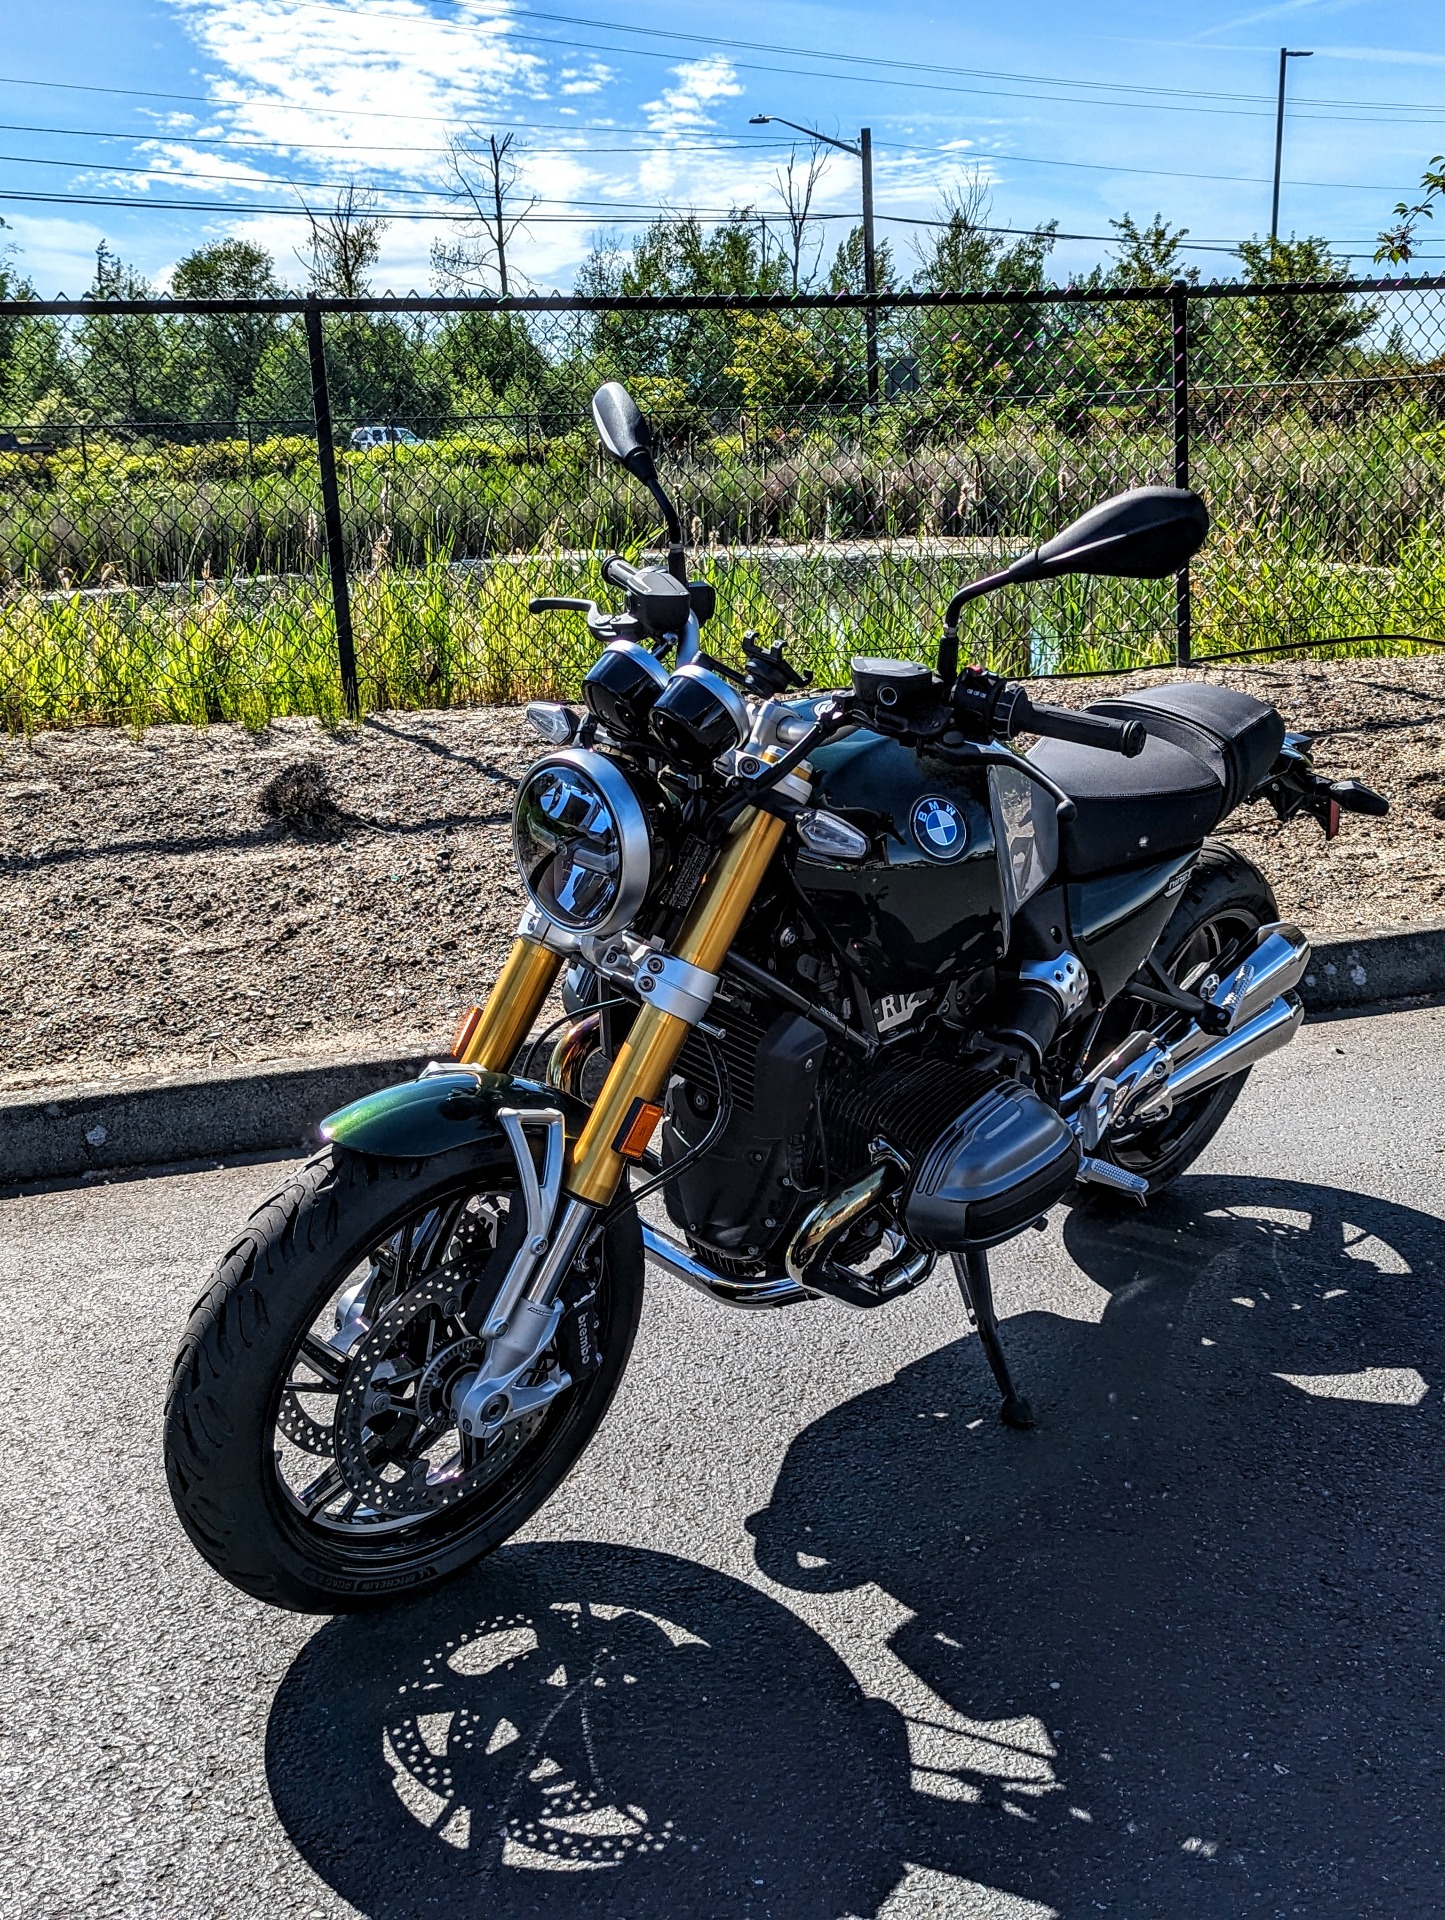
{"points": [[1103, 1173]]}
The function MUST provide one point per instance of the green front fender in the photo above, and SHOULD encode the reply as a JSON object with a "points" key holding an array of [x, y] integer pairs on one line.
{"points": [[439, 1112]]}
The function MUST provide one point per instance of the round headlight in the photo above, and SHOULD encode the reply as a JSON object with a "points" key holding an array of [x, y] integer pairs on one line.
{"points": [[699, 717], [622, 687], [582, 842]]}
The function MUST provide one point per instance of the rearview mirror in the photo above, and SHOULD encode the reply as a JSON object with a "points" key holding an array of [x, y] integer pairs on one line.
{"points": [[1145, 534], [622, 429]]}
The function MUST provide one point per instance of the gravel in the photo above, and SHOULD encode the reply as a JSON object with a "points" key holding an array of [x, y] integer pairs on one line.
{"points": [[160, 916]]}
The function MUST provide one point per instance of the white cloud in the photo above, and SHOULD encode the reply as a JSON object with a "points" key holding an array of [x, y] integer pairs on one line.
{"points": [[590, 79], [684, 108], [296, 74]]}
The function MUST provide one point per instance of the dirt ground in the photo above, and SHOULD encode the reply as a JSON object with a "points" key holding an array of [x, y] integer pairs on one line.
{"points": [[154, 918]]}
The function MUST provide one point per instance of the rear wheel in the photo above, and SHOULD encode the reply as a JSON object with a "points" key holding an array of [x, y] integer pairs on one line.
{"points": [[1225, 903], [312, 1446]]}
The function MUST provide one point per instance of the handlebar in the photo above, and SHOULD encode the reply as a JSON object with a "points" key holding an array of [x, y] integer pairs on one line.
{"points": [[1126, 737], [988, 707]]}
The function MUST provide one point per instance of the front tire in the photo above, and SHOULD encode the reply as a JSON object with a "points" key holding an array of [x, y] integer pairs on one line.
{"points": [[371, 1247]]}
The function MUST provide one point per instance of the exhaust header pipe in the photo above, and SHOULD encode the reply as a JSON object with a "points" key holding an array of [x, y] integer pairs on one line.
{"points": [[768, 1290]]}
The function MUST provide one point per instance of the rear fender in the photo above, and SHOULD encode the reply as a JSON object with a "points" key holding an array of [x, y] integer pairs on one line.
{"points": [[442, 1111]]}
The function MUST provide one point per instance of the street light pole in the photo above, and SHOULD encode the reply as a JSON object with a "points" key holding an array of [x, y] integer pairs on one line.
{"points": [[1286, 54], [870, 271], [863, 153]]}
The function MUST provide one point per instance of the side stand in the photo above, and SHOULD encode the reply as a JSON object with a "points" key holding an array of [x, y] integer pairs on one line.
{"points": [[976, 1287]]}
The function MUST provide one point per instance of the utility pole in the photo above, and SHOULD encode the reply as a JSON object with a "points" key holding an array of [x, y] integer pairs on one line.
{"points": [[1286, 54], [863, 153]]}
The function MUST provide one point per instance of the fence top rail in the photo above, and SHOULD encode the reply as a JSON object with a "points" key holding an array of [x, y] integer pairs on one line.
{"points": [[414, 303]]}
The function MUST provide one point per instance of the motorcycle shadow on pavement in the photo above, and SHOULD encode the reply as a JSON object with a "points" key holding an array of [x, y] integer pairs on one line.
{"points": [[1176, 1650], [585, 1730]]}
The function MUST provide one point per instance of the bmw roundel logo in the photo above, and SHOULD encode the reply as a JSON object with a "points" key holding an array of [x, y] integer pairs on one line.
{"points": [[939, 828]]}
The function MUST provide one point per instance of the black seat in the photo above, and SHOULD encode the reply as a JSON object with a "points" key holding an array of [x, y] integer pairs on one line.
{"points": [[1208, 748], [1130, 811], [1237, 735]]}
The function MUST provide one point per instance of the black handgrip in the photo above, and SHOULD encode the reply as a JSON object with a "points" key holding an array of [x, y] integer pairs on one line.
{"points": [[617, 572], [1127, 737], [550, 603]]}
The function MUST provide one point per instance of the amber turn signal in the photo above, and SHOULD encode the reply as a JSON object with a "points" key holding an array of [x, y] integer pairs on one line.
{"points": [[636, 1130], [466, 1027]]}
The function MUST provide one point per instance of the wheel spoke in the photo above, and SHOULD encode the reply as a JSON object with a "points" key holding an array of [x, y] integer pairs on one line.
{"points": [[324, 1487], [330, 1364]]}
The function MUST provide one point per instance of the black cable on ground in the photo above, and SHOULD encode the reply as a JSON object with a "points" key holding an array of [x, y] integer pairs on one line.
{"points": [[1241, 653]]}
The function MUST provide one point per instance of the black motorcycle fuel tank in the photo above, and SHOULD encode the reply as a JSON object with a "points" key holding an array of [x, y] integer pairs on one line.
{"points": [[926, 905]]}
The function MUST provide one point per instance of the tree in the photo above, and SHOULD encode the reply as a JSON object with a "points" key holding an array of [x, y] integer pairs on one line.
{"points": [[797, 184], [1295, 336], [127, 368], [1148, 256], [1397, 243], [779, 364], [979, 356], [226, 349], [846, 274], [485, 176], [676, 258], [343, 245]]}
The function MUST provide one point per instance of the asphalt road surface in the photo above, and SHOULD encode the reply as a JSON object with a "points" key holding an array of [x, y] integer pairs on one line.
{"points": [[809, 1633]]}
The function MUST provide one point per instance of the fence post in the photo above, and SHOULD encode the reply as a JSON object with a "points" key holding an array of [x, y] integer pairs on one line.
{"points": [[331, 508], [1179, 310]]}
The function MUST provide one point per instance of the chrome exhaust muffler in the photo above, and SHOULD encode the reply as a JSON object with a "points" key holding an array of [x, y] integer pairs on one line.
{"points": [[1274, 968], [1256, 1014], [1259, 1037]]}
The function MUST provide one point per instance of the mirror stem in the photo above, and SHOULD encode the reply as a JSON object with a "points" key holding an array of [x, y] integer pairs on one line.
{"points": [[948, 640]]}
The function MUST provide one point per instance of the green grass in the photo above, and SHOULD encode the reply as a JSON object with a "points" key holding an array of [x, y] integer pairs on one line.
{"points": [[438, 635]]}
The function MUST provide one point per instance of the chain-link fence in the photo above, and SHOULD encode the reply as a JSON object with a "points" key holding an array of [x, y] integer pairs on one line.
{"points": [[238, 509]]}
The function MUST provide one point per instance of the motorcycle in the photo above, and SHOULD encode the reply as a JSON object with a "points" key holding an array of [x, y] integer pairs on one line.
{"points": [[847, 980]]}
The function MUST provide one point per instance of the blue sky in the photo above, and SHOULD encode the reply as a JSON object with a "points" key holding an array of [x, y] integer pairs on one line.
{"points": [[1067, 112]]}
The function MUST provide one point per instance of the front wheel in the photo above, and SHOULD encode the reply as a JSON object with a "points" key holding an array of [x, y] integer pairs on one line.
{"points": [[311, 1443]]}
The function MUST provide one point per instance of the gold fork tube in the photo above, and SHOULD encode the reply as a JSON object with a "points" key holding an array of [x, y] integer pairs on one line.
{"points": [[646, 1057], [512, 1005]]}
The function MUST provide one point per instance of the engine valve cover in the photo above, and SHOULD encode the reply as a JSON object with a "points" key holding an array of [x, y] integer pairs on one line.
{"points": [[1004, 1160]]}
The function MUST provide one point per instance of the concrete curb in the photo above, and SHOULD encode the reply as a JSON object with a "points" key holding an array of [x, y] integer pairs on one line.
{"points": [[1392, 963], [57, 1136], [50, 1135]]}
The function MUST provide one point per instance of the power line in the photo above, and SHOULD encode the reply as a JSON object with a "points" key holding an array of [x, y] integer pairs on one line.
{"points": [[966, 158], [753, 66], [257, 143], [1429, 112], [752, 216], [866, 62], [977, 73]]}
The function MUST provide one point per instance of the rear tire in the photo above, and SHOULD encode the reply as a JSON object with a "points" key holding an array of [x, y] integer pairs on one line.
{"points": [[1226, 901], [236, 1366]]}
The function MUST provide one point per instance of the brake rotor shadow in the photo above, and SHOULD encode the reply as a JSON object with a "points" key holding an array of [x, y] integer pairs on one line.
{"points": [[590, 1730]]}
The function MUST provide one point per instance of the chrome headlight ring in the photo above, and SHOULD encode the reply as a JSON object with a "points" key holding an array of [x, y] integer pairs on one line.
{"points": [[579, 821]]}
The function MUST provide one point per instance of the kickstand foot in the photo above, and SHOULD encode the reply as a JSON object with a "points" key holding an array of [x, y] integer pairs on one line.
{"points": [[976, 1286]]}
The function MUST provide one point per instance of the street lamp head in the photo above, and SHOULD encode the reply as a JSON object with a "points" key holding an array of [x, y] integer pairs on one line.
{"points": [[1299, 53], [760, 120]]}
